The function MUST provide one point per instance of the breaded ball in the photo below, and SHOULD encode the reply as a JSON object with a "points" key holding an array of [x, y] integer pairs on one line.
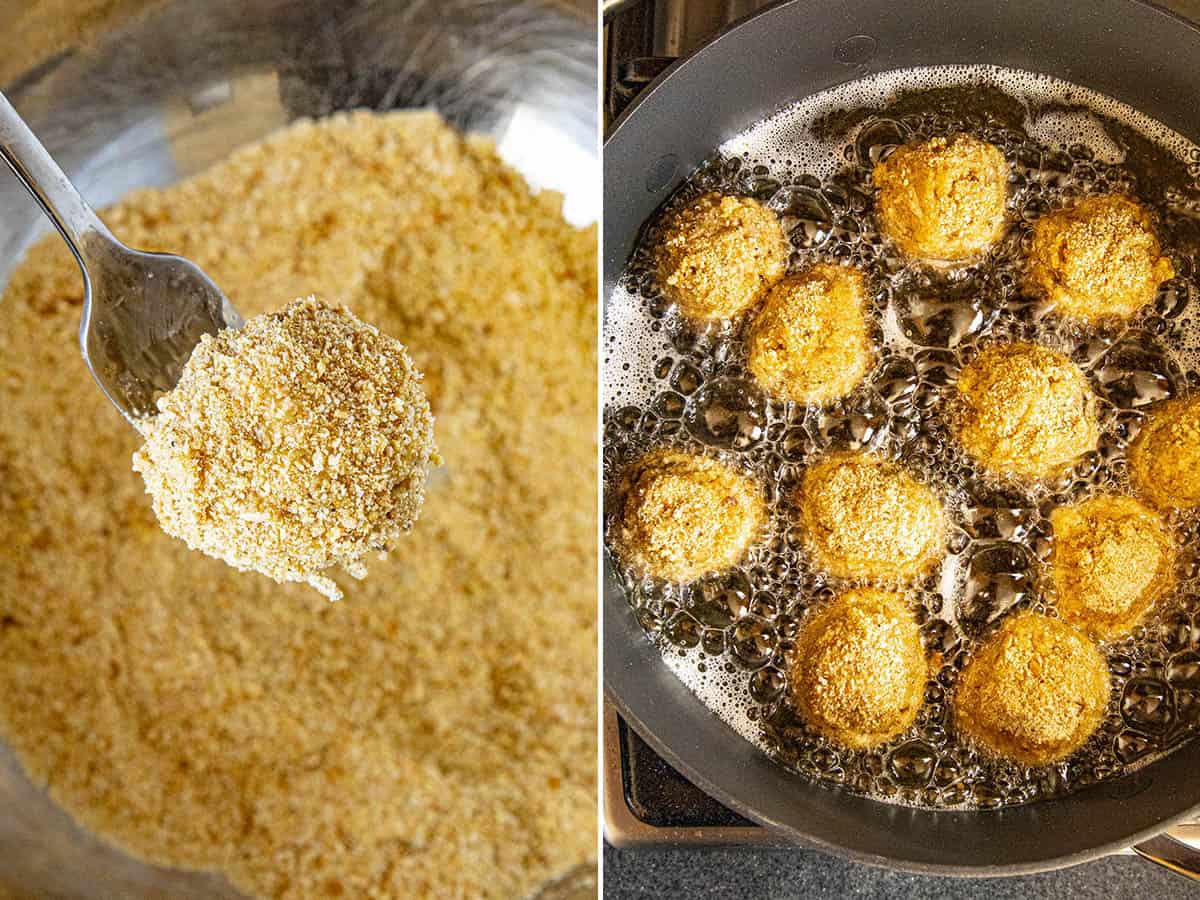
{"points": [[810, 341], [1164, 460], [1112, 558], [865, 517], [719, 255], [1034, 692], [682, 515], [1097, 258], [1025, 410], [942, 199], [858, 671]]}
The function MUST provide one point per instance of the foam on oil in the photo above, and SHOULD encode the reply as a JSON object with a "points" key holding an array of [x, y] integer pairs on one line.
{"points": [[668, 383]]}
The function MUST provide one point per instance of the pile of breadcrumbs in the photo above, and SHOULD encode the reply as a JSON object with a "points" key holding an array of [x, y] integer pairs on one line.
{"points": [[435, 733], [299, 442]]}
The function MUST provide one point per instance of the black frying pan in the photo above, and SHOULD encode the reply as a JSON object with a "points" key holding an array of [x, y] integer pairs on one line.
{"points": [[1132, 51]]}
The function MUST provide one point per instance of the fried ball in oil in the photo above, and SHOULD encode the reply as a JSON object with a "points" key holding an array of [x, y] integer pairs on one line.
{"points": [[1034, 692], [858, 671], [719, 255], [1098, 258], [810, 341], [1164, 460], [1025, 410], [1113, 557], [865, 517], [942, 199], [682, 515]]}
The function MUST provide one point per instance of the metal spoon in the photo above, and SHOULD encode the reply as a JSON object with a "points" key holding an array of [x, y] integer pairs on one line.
{"points": [[143, 313]]}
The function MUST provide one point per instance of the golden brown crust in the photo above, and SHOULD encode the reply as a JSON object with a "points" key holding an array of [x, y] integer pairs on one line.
{"points": [[1025, 410], [859, 669], [865, 517], [719, 255], [1098, 258], [683, 515], [942, 199], [1035, 692], [1112, 559], [810, 341], [1164, 459]]}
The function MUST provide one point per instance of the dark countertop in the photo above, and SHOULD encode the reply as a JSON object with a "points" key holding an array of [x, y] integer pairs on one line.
{"points": [[778, 874]]}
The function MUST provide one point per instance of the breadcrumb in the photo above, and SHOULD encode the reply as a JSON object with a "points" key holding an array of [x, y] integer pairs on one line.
{"points": [[865, 517], [299, 442], [682, 515], [1025, 410], [942, 199], [1098, 258], [810, 342], [858, 671], [435, 734], [719, 255], [1164, 458], [1112, 559], [1034, 692]]}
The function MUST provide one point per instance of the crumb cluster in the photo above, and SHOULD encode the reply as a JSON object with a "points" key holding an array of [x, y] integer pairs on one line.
{"points": [[865, 517], [1035, 691], [1025, 410], [1112, 559], [859, 669], [942, 199], [433, 735], [719, 255], [1164, 458], [1098, 258], [682, 515], [297, 443], [811, 341]]}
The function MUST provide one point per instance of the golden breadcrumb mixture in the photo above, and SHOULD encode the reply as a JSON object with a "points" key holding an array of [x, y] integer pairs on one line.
{"points": [[1112, 559], [810, 342], [1035, 691], [1097, 258], [719, 255], [942, 199], [866, 517], [297, 443], [35, 32], [858, 671], [682, 515], [1164, 459], [433, 735], [1025, 410]]}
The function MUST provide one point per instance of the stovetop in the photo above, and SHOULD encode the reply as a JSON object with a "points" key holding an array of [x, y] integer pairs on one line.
{"points": [[646, 802]]}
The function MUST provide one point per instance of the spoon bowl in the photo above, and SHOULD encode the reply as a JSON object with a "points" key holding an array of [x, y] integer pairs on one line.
{"points": [[143, 313]]}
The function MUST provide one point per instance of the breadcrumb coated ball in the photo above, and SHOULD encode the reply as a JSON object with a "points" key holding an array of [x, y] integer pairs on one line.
{"points": [[682, 515], [810, 342], [719, 255], [944, 198], [858, 671], [1034, 692], [1098, 258], [1025, 410], [1112, 558], [865, 517], [297, 443], [1164, 459]]}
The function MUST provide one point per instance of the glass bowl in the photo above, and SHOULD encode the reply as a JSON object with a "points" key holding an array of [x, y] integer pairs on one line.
{"points": [[162, 93]]}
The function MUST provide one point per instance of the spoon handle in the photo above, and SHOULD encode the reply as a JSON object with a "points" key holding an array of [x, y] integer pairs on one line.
{"points": [[47, 183]]}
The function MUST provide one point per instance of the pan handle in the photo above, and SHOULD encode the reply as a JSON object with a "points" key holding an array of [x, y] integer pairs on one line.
{"points": [[1171, 854]]}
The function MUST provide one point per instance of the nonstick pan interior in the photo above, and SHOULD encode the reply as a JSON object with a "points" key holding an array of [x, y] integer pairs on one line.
{"points": [[1134, 52]]}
